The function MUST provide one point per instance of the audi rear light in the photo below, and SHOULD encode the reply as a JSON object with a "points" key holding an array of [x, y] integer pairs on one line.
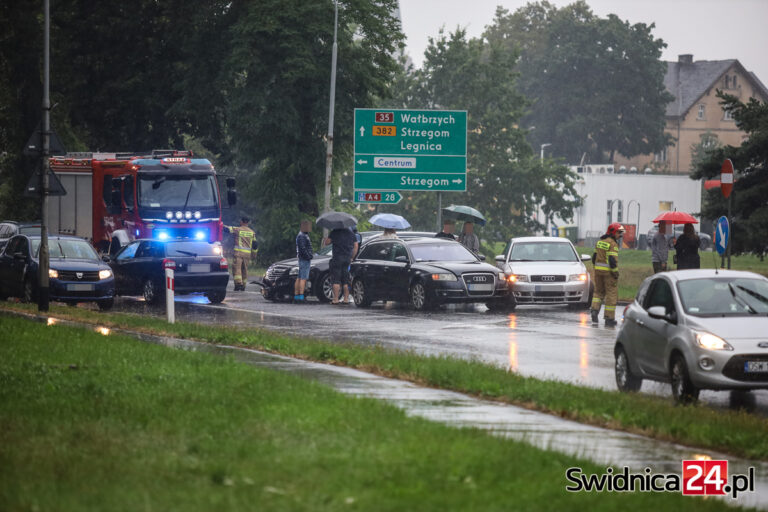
{"points": [[169, 263], [223, 265]]}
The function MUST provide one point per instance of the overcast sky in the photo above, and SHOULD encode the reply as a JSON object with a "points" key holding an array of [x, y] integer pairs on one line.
{"points": [[708, 29]]}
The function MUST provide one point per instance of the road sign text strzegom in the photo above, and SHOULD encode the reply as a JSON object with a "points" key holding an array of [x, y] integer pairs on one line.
{"points": [[410, 149]]}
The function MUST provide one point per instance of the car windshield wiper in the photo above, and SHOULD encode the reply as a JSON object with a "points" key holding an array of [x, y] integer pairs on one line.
{"points": [[188, 253], [188, 193], [752, 293], [520, 259], [741, 300], [158, 181]]}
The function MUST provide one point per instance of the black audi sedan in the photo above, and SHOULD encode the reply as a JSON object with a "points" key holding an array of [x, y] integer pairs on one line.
{"points": [[280, 277], [426, 272], [199, 267], [76, 274]]}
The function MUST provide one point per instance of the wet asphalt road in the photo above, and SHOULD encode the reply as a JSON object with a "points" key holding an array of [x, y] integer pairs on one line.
{"points": [[545, 342]]}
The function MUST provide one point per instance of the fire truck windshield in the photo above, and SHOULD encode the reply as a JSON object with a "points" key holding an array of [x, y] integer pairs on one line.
{"points": [[169, 191]]}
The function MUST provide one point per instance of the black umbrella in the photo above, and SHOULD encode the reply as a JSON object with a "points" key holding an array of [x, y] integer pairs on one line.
{"points": [[336, 220]]}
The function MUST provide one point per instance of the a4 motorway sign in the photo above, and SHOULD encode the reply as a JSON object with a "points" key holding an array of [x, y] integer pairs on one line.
{"points": [[410, 149], [377, 197]]}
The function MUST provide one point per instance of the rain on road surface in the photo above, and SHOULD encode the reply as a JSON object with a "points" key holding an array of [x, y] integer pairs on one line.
{"points": [[545, 342]]}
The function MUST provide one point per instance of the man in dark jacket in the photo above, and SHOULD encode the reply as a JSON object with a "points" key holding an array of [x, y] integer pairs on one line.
{"points": [[304, 253], [344, 250], [447, 231]]}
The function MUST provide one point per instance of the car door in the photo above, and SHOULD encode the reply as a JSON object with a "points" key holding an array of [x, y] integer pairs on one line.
{"points": [[123, 266], [11, 267], [656, 333], [374, 261], [396, 273]]}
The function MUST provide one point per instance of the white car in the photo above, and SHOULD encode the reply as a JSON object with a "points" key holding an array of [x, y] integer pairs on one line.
{"points": [[546, 270]]}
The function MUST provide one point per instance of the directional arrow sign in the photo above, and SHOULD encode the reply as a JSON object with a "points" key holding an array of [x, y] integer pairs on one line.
{"points": [[721, 235], [410, 150], [377, 197]]}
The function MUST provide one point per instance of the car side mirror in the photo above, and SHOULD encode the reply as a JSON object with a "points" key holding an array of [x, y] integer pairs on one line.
{"points": [[401, 259], [117, 201], [232, 197], [660, 313], [481, 256], [106, 258], [500, 258], [231, 182], [586, 257]]}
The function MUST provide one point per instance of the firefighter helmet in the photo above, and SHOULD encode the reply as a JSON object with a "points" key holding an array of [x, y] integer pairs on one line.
{"points": [[615, 229]]}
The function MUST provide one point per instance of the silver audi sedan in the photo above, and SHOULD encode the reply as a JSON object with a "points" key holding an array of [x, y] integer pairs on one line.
{"points": [[546, 270], [696, 329]]}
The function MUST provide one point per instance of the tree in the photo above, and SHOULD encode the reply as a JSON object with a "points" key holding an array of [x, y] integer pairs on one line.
{"points": [[597, 84], [749, 225], [277, 98], [506, 180]]}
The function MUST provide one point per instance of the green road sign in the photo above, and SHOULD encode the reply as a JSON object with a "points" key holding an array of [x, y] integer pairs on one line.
{"points": [[410, 149], [377, 197]]}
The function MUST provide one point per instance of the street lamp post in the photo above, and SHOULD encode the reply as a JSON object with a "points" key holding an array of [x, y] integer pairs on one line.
{"points": [[541, 159], [331, 106]]}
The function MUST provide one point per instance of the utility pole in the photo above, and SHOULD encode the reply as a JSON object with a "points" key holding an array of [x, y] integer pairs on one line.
{"points": [[331, 107], [43, 291]]}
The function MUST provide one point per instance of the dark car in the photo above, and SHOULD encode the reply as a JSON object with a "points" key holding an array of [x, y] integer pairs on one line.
{"points": [[10, 228], [281, 276], [76, 274], [426, 272], [199, 267]]}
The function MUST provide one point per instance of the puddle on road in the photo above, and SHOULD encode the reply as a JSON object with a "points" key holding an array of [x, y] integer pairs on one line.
{"points": [[603, 446]]}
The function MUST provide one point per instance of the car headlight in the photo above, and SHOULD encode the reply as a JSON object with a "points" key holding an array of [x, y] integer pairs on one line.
{"points": [[53, 274], [578, 277], [443, 277], [294, 271], [710, 341], [105, 274], [517, 278]]}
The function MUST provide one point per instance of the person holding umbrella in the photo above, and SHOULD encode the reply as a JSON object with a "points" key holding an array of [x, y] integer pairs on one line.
{"points": [[344, 250], [468, 238], [687, 249], [390, 222]]}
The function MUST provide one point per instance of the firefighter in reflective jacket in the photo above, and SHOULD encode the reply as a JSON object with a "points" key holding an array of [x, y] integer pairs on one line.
{"points": [[244, 237], [606, 262]]}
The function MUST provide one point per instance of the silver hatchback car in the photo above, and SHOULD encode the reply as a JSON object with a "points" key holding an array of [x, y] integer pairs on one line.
{"points": [[696, 329]]}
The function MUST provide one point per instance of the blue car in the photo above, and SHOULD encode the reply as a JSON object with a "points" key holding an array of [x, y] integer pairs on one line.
{"points": [[76, 273]]}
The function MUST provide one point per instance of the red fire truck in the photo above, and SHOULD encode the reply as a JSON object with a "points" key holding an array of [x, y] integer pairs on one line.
{"points": [[164, 195]]}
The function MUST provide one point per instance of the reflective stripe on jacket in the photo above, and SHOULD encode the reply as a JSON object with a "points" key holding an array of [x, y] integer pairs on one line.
{"points": [[607, 254], [243, 238]]}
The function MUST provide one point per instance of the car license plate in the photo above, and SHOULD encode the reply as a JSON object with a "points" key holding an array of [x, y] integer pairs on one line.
{"points": [[755, 366], [79, 287], [547, 288], [199, 267], [480, 287]]}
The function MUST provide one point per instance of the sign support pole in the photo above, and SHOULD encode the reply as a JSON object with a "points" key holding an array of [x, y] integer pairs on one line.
{"points": [[43, 291], [730, 238], [439, 212]]}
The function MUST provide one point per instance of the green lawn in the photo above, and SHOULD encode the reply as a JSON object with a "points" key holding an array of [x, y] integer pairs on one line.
{"points": [[736, 432], [109, 423]]}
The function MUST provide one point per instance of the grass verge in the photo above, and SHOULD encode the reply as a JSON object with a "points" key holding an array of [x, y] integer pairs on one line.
{"points": [[94, 423], [736, 432]]}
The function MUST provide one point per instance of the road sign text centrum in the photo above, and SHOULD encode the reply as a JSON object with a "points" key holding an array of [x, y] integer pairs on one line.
{"points": [[410, 149]]}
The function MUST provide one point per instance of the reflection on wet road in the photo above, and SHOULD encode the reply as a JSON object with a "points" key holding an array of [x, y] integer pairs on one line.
{"points": [[544, 342]]}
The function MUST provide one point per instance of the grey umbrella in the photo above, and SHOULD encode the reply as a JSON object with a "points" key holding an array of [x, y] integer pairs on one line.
{"points": [[336, 220], [465, 213]]}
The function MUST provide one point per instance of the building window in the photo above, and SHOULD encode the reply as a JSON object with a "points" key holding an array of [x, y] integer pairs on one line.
{"points": [[727, 81], [702, 111], [620, 211], [665, 206], [727, 115], [661, 156], [708, 140], [733, 82]]}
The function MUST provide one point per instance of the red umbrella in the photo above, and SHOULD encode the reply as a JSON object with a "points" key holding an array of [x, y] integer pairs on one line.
{"points": [[676, 217]]}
